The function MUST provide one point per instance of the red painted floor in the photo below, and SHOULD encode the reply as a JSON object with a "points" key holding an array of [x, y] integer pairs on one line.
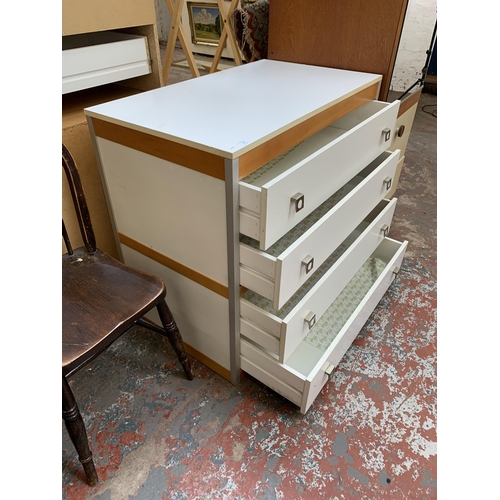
{"points": [[371, 434]]}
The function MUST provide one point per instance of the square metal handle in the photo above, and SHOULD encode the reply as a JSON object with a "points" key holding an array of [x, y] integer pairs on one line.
{"points": [[385, 229], [308, 262], [387, 133], [298, 199], [388, 183], [310, 319]]}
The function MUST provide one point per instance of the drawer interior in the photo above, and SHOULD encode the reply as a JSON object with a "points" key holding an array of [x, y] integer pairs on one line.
{"points": [[302, 227], [97, 38], [341, 312], [267, 304], [273, 169]]}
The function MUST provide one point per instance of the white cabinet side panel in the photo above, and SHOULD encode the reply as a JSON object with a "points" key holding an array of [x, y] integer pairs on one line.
{"points": [[177, 211], [201, 315]]}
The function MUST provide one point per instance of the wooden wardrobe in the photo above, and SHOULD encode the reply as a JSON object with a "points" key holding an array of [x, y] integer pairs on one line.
{"points": [[358, 35]]}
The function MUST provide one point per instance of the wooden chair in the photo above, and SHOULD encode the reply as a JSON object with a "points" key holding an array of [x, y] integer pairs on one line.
{"points": [[101, 300]]}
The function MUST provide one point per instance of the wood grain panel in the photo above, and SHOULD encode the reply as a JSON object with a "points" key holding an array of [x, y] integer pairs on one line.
{"points": [[195, 159], [346, 34], [262, 154], [98, 15]]}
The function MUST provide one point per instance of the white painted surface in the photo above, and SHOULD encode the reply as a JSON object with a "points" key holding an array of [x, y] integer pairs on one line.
{"points": [[163, 20], [93, 59], [180, 112], [177, 211], [415, 39], [200, 314]]}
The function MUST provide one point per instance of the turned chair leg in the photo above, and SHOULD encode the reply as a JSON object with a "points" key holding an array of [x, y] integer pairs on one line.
{"points": [[77, 433], [174, 337]]}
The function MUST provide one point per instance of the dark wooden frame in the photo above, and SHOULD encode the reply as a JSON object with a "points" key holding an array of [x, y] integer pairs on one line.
{"points": [[88, 330]]}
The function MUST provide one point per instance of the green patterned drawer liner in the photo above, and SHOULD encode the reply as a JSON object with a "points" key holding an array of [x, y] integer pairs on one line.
{"points": [[256, 174], [324, 137], [327, 328], [296, 232]]}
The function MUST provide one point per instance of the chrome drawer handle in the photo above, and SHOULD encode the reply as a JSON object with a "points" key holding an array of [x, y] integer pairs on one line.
{"points": [[385, 229], [388, 183], [387, 133], [298, 199], [310, 319], [308, 262], [329, 368]]}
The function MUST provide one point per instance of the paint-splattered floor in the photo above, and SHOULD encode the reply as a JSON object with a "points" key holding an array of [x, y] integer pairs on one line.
{"points": [[371, 434]]}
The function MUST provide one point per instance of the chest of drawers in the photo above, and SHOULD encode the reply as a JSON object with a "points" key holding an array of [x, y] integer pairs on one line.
{"points": [[259, 194]]}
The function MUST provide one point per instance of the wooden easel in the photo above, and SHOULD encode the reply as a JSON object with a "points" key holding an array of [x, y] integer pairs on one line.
{"points": [[177, 31]]}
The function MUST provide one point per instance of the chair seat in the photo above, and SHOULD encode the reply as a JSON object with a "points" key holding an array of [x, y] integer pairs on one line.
{"points": [[100, 293]]}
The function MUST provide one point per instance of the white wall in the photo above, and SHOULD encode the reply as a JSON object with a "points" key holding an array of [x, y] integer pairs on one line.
{"points": [[415, 39], [163, 20]]}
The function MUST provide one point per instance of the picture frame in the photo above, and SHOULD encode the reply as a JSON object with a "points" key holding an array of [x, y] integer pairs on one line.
{"points": [[205, 23]]}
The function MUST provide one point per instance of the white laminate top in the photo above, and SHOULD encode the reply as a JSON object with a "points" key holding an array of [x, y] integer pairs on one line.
{"points": [[233, 111]]}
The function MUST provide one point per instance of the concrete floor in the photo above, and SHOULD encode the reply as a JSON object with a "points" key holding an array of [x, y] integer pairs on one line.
{"points": [[371, 433]]}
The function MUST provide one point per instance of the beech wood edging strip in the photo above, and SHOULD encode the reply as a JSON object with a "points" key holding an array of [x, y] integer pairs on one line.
{"points": [[195, 159], [406, 104], [255, 158], [162, 259], [213, 365]]}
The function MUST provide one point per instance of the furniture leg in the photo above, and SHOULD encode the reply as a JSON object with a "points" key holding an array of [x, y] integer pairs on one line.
{"points": [[77, 433], [174, 337]]}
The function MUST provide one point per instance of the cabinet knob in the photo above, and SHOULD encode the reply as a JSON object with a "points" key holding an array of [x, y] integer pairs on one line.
{"points": [[385, 229], [387, 133], [308, 262], [310, 319], [388, 183], [299, 201], [401, 131]]}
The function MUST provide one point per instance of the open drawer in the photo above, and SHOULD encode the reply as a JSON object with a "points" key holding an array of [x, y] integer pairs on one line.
{"points": [[279, 272], [307, 370], [280, 194], [93, 59], [281, 331]]}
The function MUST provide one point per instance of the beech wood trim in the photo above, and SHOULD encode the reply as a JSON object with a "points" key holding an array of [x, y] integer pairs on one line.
{"points": [[255, 158], [195, 159], [209, 362], [409, 102], [162, 259], [213, 365]]}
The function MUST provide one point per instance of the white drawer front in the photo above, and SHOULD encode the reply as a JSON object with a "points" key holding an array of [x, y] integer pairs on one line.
{"points": [[302, 179], [262, 324], [93, 59], [278, 278], [305, 373]]}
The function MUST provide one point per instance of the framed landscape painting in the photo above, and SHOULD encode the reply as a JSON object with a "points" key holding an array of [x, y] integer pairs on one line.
{"points": [[205, 22]]}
